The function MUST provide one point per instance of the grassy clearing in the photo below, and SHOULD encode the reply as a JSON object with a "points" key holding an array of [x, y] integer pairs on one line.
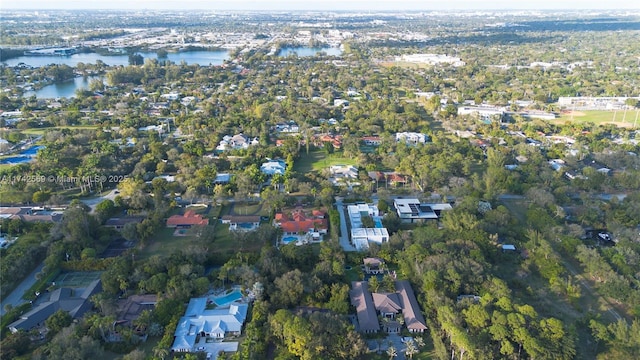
{"points": [[165, 244], [224, 243], [601, 117], [517, 207], [318, 160], [248, 209], [41, 131]]}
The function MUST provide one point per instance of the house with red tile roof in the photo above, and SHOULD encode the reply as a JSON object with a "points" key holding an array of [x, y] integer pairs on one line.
{"points": [[299, 222], [372, 140], [187, 220]]}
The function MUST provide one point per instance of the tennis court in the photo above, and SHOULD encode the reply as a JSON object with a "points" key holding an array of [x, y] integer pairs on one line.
{"points": [[76, 278]]}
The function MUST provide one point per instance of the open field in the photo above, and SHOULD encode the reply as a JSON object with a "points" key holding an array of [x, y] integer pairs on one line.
{"points": [[43, 130], [318, 160], [601, 117], [248, 209]]}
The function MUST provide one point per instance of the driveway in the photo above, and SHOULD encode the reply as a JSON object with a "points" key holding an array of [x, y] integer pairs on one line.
{"points": [[93, 202], [396, 341], [15, 298], [344, 235]]}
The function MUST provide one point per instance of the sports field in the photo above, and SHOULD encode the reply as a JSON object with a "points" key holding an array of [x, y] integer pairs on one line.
{"points": [[76, 279], [620, 118]]}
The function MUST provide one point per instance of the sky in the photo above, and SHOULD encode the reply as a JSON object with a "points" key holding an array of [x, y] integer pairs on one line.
{"points": [[320, 5]]}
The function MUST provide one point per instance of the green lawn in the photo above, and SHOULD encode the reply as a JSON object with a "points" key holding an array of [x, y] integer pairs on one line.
{"points": [[601, 117], [248, 209], [224, 243], [41, 131], [318, 160], [165, 244]]}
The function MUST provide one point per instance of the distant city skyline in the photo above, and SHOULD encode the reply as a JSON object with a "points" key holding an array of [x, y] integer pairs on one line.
{"points": [[357, 5]]}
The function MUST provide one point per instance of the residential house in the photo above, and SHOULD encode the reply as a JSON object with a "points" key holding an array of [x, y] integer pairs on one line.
{"points": [[372, 140], [389, 178], [236, 142], [30, 214], [413, 318], [344, 175], [482, 112], [118, 223], [60, 299], [273, 167], [241, 222], [362, 300], [190, 218], [222, 178], [170, 96], [373, 266], [340, 102], [334, 140], [361, 236], [314, 224], [287, 128], [412, 138], [200, 322], [411, 210], [387, 306]]}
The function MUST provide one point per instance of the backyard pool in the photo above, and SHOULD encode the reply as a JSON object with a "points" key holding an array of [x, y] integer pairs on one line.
{"points": [[23, 157], [246, 226], [289, 239], [378, 223], [228, 299]]}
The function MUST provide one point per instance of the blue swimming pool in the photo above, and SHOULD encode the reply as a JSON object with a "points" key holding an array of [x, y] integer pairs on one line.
{"points": [[378, 223], [246, 226], [289, 239], [228, 299], [23, 157]]}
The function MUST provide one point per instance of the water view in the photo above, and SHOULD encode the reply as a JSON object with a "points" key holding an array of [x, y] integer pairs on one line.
{"points": [[309, 51], [203, 58], [65, 89]]}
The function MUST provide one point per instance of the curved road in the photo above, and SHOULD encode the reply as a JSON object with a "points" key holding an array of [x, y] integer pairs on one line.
{"points": [[15, 298]]}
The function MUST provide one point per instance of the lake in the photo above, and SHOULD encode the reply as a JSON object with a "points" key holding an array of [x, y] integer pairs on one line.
{"points": [[309, 51], [203, 58], [65, 89]]}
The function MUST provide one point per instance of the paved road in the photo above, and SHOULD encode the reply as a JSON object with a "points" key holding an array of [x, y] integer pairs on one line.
{"points": [[344, 235], [15, 298], [97, 200]]}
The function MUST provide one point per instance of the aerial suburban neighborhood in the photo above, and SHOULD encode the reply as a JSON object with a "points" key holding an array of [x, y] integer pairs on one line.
{"points": [[319, 183]]}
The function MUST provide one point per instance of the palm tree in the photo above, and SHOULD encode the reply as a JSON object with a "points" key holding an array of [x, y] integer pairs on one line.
{"points": [[161, 352], [411, 349], [392, 352], [419, 341]]}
